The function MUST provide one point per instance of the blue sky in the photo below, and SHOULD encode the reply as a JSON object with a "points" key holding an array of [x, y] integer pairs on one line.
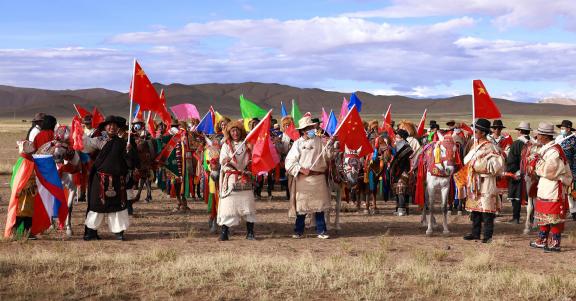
{"points": [[522, 49]]}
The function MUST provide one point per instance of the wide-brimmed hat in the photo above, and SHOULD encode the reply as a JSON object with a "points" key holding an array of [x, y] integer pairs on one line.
{"points": [[566, 124], [450, 122], [235, 124], [87, 119], [483, 125], [545, 128], [434, 124], [305, 122], [38, 117], [523, 126], [498, 124], [119, 121]]}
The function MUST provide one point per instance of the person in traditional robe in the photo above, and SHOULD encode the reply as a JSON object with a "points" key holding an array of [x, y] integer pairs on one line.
{"points": [[36, 126], [211, 157], [399, 171], [513, 161], [236, 194], [46, 133], [308, 164], [146, 153], [553, 168], [107, 197], [283, 147], [568, 143], [484, 163]]}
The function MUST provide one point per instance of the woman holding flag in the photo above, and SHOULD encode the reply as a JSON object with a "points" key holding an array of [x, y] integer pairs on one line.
{"points": [[236, 196]]}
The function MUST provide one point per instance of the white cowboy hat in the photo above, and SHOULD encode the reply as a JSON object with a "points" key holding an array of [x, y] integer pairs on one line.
{"points": [[545, 128], [305, 122], [524, 126]]}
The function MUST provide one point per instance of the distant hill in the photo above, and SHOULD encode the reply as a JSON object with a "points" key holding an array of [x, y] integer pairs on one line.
{"points": [[560, 101], [24, 102]]}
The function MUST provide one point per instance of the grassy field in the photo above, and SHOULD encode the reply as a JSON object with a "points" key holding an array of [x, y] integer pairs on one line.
{"points": [[374, 257]]}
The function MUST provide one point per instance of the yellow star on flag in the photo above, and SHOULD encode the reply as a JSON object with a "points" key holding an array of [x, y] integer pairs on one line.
{"points": [[141, 73], [481, 91]]}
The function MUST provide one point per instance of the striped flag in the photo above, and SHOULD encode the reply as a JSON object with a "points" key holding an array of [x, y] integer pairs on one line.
{"points": [[50, 200]]}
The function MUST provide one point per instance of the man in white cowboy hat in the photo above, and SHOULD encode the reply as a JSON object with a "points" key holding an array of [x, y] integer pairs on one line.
{"points": [[568, 144], [484, 163], [309, 190], [551, 202], [513, 162]]}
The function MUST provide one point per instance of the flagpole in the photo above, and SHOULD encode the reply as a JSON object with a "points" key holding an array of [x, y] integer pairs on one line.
{"points": [[253, 130], [473, 115], [131, 102]]}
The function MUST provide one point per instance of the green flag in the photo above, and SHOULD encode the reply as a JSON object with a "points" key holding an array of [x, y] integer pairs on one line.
{"points": [[250, 110], [296, 114]]}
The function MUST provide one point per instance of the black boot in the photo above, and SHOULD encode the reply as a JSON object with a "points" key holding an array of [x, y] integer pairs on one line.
{"points": [[120, 236], [224, 233], [250, 231], [90, 234], [574, 216]]}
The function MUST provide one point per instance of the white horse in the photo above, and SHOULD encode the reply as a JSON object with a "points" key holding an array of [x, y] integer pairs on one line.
{"points": [[440, 160]]}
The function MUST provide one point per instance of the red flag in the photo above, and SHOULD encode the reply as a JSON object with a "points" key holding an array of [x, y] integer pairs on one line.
{"points": [[264, 154], [484, 106], [151, 125], [142, 91], [466, 128], [507, 141], [388, 129], [387, 118], [422, 124], [81, 111], [351, 133], [77, 133], [292, 132], [169, 147], [163, 113], [97, 117]]}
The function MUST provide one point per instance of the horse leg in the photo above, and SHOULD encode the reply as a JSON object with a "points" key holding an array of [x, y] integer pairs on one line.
{"points": [[148, 190], [445, 195], [529, 212], [71, 197], [431, 187]]}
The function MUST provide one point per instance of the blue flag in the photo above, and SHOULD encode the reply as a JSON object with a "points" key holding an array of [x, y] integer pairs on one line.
{"points": [[332, 124], [136, 110], [354, 100], [206, 125], [284, 112]]}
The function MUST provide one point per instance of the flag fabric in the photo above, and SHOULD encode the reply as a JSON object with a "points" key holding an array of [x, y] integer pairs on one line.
{"points": [[422, 124], [21, 173], [351, 133], [343, 109], [466, 128], [324, 119], [296, 114], [250, 110], [151, 125], [355, 101], [50, 200], [217, 118], [137, 113], [292, 132], [77, 133], [484, 106], [163, 113], [332, 124], [97, 117], [143, 92], [388, 115], [169, 147], [206, 125], [284, 111], [388, 129], [264, 154], [82, 112], [185, 111]]}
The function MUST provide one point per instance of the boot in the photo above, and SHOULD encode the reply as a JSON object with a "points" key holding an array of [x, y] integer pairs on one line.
{"points": [[541, 242], [90, 234], [554, 245], [120, 236], [574, 216], [224, 233], [250, 231]]}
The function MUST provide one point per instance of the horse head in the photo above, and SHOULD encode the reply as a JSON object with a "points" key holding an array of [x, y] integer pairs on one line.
{"points": [[352, 164]]}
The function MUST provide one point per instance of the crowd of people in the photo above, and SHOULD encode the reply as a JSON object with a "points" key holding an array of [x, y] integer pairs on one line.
{"points": [[479, 166]]}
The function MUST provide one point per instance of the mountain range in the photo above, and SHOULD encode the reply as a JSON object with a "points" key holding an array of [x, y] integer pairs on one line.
{"points": [[23, 103]]}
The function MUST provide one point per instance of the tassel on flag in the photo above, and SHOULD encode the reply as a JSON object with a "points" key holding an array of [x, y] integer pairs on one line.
{"points": [[77, 133], [484, 106], [422, 124]]}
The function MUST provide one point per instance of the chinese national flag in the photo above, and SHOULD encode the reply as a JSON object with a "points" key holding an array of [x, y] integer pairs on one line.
{"points": [[422, 124], [81, 111], [264, 155], [97, 117], [351, 133], [484, 106], [143, 92], [163, 113]]}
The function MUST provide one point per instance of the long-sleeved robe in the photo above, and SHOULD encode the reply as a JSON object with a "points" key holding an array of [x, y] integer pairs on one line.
{"points": [[485, 162]]}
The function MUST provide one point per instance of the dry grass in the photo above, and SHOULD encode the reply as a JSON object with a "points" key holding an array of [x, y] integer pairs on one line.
{"points": [[169, 274]]}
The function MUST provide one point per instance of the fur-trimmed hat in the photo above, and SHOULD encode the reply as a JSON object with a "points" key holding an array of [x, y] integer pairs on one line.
{"points": [[235, 124]]}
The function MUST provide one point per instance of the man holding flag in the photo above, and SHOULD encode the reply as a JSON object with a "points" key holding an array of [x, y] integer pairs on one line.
{"points": [[307, 161]]}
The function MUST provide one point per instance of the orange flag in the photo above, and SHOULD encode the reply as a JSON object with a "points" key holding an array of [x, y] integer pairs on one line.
{"points": [[264, 154], [484, 106], [351, 133], [143, 92]]}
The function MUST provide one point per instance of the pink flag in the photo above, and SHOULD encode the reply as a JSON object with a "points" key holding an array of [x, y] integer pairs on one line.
{"points": [[185, 111], [324, 118], [343, 110]]}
